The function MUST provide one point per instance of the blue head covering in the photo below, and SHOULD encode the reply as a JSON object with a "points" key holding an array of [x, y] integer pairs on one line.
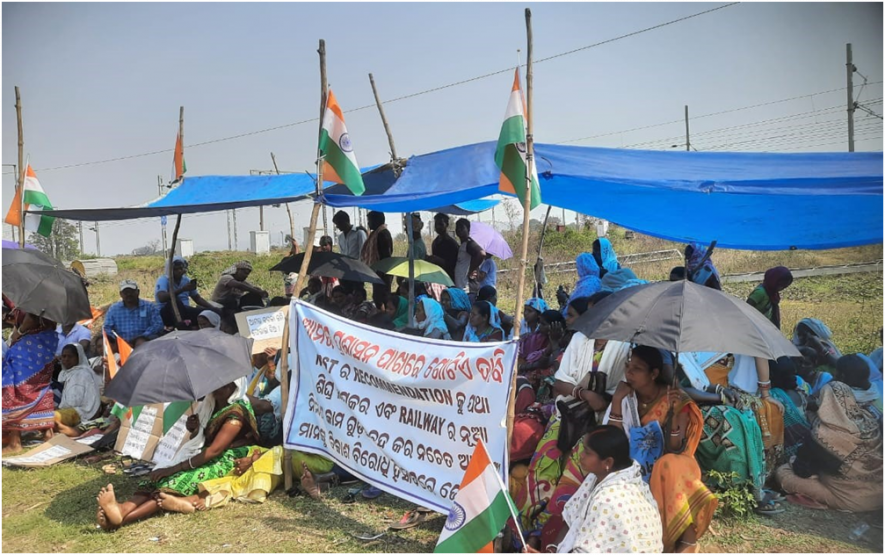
{"points": [[470, 334], [620, 279], [700, 273], [435, 318], [588, 277], [460, 300], [538, 304], [607, 255]]}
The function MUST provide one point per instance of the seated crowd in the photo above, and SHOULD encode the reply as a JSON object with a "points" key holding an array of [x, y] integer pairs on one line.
{"points": [[600, 424]]}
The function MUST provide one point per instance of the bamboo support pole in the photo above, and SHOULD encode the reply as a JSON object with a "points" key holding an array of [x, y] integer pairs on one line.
{"points": [[171, 288], [22, 170]]}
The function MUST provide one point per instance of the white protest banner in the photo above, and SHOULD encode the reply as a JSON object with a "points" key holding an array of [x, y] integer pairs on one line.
{"points": [[143, 436], [172, 441], [400, 412], [57, 449], [265, 326]]}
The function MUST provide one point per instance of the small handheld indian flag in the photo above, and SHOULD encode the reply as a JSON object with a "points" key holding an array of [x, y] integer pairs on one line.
{"points": [[510, 156], [339, 161], [480, 510], [34, 199]]}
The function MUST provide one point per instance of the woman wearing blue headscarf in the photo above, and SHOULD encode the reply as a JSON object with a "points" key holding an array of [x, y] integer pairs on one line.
{"points": [[620, 279], [484, 325], [701, 271], [457, 310], [588, 277], [430, 318], [605, 257]]}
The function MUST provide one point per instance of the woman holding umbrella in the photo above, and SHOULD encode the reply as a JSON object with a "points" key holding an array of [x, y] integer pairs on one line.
{"points": [[230, 436], [27, 372]]}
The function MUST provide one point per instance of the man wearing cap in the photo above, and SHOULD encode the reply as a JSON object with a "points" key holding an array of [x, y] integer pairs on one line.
{"points": [[132, 317]]}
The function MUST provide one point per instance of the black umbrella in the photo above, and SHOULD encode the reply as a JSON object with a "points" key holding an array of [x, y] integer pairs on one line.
{"points": [[41, 285], [330, 264], [685, 317], [181, 366]]}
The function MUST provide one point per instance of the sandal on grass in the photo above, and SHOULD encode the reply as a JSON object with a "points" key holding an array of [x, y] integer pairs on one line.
{"points": [[410, 520], [771, 495], [769, 508]]}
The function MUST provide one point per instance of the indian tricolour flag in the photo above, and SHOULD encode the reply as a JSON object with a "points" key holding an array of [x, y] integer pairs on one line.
{"points": [[339, 161], [510, 156], [34, 199], [480, 510]]}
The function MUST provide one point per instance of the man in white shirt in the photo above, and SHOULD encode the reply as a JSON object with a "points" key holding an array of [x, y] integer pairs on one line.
{"points": [[73, 333], [350, 241]]}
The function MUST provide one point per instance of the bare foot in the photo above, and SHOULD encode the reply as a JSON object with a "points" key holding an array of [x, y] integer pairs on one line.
{"points": [[176, 504], [102, 519], [308, 483], [107, 500]]}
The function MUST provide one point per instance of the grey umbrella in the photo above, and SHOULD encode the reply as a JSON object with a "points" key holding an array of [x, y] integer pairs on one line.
{"points": [[41, 285], [685, 317], [181, 366]]}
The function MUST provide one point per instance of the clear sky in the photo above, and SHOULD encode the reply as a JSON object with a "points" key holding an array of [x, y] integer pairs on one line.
{"points": [[105, 80]]}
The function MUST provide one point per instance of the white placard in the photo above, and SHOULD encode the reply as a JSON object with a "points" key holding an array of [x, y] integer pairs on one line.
{"points": [[140, 433], [400, 412], [171, 442], [263, 326], [89, 440], [56, 451]]}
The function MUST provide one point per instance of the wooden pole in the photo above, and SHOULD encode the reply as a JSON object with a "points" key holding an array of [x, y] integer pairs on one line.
{"points": [[393, 156], [305, 264], [527, 206], [849, 70], [288, 208], [22, 170], [171, 290], [409, 223]]}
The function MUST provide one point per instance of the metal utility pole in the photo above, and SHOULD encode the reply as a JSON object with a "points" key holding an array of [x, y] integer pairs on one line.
{"points": [[687, 138], [163, 220], [97, 241], [236, 242], [849, 70], [80, 228], [227, 213], [261, 218]]}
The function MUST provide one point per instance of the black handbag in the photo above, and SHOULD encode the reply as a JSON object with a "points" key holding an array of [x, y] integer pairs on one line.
{"points": [[576, 416]]}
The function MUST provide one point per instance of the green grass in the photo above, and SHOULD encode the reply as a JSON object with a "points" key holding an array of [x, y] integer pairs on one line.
{"points": [[53, 510]]}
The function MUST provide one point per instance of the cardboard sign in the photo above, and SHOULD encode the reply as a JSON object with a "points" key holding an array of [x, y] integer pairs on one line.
{"points": [[144, 439], [264, 326], [57, 449]]}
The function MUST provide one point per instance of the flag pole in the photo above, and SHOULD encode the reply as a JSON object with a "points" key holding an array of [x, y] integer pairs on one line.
{"points": [[22, 170], [305, 264], [526, 206], [172, 299], [409, 230]]}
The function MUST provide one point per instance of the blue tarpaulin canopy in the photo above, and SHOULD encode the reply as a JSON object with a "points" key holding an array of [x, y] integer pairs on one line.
{"points": [[758, 201], [212, 193]]}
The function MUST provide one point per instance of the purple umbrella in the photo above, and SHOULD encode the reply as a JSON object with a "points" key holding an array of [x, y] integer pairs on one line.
{"points": [[14, 245], [490, 240]]}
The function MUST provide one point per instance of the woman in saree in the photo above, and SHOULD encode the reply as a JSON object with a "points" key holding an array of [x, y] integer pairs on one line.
{"points": [[27, 373], [230, 435], [457, 310], [767, 297], [613, 511], [80, 400], [532, 341], [484, 325], [540, 366], [664, 427], [397, 307], [588, 277], [605, 257], [841, 466], [554, 476], [785, 388], [700, 268], [430, 319], [815, 341]]}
